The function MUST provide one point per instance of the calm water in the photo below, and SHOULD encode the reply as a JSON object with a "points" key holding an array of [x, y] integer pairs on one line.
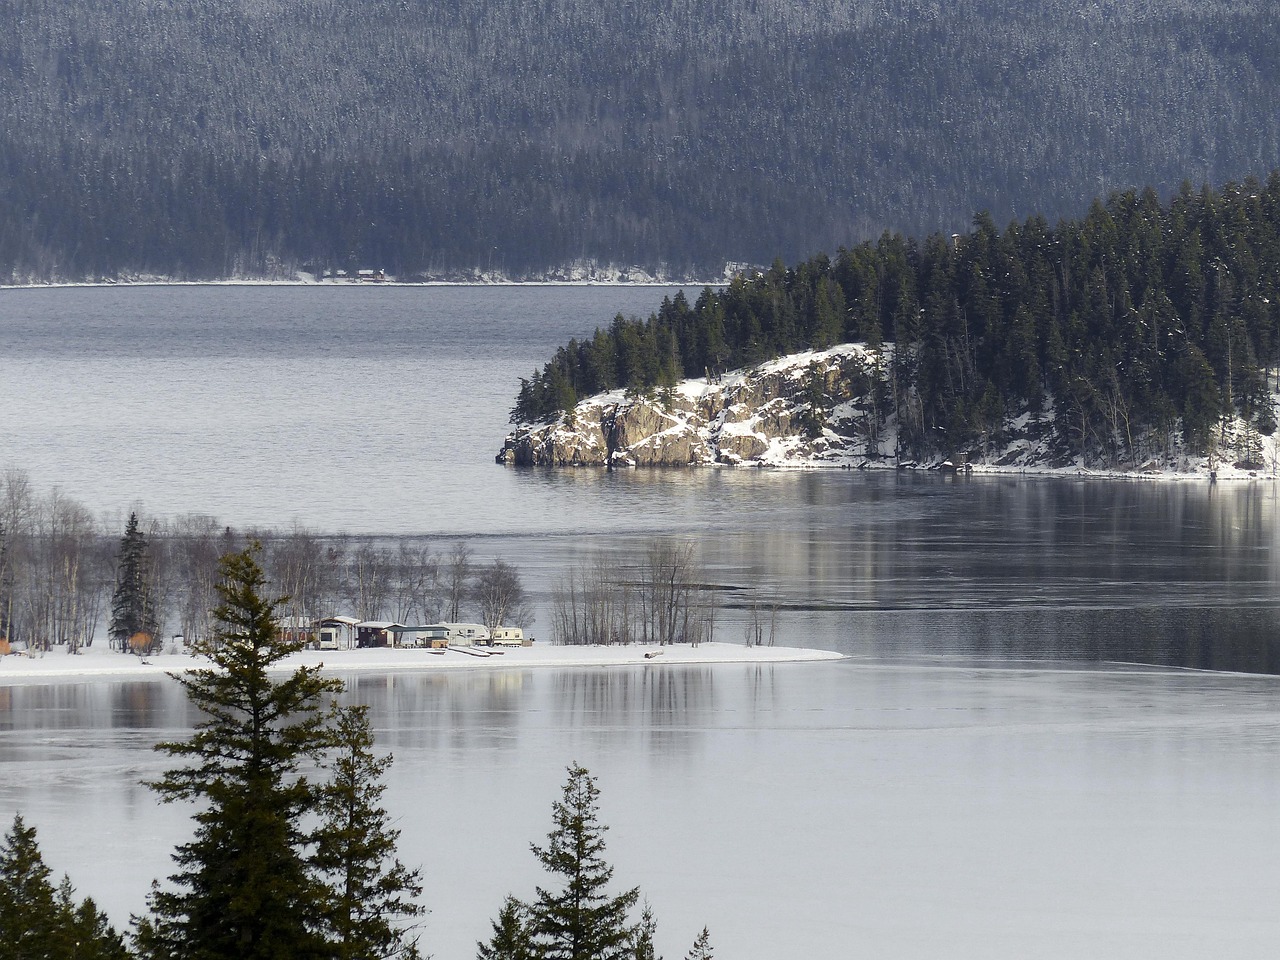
{"points": [[1022, 758]]}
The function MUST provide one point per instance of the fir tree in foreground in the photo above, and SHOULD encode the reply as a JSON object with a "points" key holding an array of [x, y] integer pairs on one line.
{"points": [[41, 922], [243, 888], [371, 892], [580, 921], [260, 880], [511, 936], [701, 949]]}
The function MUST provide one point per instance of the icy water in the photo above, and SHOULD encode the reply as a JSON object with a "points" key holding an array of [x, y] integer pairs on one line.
{"points": [[1057, 735]]}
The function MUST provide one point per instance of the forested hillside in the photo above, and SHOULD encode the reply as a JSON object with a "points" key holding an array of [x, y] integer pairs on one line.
{"points": [[1126, 327], [236, 137]]}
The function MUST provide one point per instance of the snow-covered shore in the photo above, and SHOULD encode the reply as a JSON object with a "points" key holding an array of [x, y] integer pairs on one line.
{"points": [[99, 662]]}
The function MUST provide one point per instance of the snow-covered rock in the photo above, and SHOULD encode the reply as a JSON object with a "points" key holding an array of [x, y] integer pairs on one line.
{"points": [[832, 408], [811, 407]]}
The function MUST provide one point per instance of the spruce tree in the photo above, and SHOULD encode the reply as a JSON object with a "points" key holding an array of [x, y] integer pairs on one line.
{"points": [[244, 889], [133, 612], [511, 938], [371, 892], [39, 922], [701, 947], [646, 930], [580, 921]]}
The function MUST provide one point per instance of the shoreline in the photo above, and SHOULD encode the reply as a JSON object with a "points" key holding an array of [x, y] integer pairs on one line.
{"points": [[356, 284], [96, 663]]}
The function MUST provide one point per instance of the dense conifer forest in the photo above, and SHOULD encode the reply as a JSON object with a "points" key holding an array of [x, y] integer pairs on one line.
{"points": [[256, 137], [1135, 322]]}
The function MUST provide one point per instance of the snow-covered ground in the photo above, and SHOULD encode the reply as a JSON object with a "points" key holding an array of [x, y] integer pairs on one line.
{"points": [[99, 661]]}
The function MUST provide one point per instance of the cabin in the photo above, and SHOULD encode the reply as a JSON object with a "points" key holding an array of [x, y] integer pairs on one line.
{"points": [[507, 637], [375, 633], [434, 635]]}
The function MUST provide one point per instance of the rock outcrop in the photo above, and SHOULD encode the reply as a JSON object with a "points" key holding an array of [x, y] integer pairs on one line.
{"points": [[812, 407]]}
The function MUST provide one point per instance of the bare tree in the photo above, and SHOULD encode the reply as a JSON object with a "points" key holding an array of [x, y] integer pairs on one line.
{"points": [[499, 594], [658, 599], [194, 545], [369, 581], [456, 579], [417, 578]]}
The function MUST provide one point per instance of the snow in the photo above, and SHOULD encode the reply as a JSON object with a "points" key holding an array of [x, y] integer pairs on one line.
{"points": [[1028, 451], [101, 662]]}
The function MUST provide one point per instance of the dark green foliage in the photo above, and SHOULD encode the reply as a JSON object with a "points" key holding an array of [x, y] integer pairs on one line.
{"points": [[1136, 316], [511, 938], [133, 604], [202, 140], [41, 922], [244, 889], [581, 921], [370, 891]]}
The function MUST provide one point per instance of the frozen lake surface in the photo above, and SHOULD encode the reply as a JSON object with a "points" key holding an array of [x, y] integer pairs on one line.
{"points": [[916, 810], [1025, 756]]}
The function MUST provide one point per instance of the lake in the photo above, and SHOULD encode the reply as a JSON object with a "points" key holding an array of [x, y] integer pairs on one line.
{"points": [[1056, 734]]}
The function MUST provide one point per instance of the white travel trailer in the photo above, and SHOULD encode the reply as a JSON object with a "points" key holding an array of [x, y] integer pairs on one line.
{"points": [[466, 634], [506, 637]]}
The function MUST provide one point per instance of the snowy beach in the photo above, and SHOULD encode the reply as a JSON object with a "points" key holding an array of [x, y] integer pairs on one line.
{"points": [[101, 662]]}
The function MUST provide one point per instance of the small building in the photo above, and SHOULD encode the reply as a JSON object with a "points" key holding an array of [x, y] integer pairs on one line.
{"points": [[375, 633], [507, 637], [296, 630]]}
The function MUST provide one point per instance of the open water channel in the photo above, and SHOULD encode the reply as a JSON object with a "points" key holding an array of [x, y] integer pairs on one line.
{"points": [[1057, 733]]}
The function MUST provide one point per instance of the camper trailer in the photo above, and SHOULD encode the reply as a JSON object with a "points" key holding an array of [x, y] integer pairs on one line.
{"points": [[506, 637]]}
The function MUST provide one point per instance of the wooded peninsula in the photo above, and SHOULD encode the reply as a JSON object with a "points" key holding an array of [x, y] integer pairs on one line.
{"points": [[1137, 324]]}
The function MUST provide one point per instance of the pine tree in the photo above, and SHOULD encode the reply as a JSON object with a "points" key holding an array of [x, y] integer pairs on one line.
{"points": [[370, 890], [580, 922], [511, 936], [701, 947], [39, 922], [133, 611], [244, 889]]}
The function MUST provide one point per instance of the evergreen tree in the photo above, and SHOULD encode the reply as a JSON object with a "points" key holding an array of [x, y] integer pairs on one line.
{"points": [[244, 889], [646, 930], [133, 611], [370, 890], [580, 921], [701, 947], [39, 922], [511, 939]]}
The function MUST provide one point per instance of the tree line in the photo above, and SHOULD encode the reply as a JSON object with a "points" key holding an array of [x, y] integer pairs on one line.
{"points": [[1140, 323], [64, 575], [293, 856], [441, 139], [660, 596]]}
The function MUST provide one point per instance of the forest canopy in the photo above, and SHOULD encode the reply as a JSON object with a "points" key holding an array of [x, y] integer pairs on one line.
{"points": [[432, 137], [1138, 320]]}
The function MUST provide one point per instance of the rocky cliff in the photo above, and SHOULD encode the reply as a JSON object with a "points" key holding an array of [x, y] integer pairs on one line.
{"points": [[833, 408], [810, 408]]}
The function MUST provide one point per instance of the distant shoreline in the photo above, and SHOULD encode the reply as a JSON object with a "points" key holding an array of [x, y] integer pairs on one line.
{"points": [[359, 285], [100, 663]]}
